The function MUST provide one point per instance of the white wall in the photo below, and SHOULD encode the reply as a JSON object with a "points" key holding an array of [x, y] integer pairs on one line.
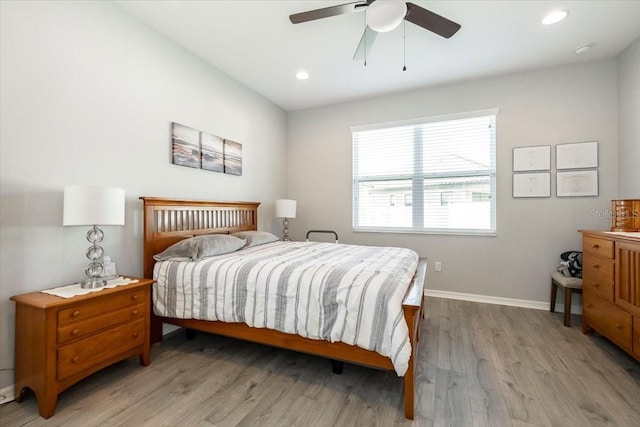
{"points": [[629, 122], [545, 107], [88, 95]]}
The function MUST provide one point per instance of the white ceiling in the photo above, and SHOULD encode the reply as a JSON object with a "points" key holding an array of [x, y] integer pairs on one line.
{"points": [[254, 42]]}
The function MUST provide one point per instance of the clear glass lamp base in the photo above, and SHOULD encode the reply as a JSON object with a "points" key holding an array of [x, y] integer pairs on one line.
{"points": [[93, 283], [285, 230], [94, 253]]}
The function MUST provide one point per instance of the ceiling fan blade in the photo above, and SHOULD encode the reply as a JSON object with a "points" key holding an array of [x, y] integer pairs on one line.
{"points": [[431, 21], [326, 12], [360, 52]]}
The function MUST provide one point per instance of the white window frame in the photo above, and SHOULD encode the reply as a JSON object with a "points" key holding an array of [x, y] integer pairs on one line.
{"points": [[420, 176]]}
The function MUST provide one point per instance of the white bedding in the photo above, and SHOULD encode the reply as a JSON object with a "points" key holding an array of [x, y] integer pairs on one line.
{"points": [[323, 291]]}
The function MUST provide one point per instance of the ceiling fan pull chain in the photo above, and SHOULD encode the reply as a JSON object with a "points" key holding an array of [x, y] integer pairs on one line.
{"points": [[365, 40], [404, 45]]}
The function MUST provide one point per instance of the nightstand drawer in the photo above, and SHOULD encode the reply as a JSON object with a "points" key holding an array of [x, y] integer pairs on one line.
{"points": [[598, 276], [93, 308], [597, 246], [82, 328], [96, 349]]}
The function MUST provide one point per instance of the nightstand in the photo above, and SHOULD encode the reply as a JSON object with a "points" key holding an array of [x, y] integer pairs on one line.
{"points": [[60, 341]]}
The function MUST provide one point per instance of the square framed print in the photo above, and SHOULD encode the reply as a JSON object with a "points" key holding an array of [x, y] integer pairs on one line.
{"points": [[536, 158], [578, 155], [577, 183], [532, 184]]}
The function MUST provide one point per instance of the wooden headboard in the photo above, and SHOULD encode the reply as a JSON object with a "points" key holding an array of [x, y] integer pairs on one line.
{"points": [[167, 221]]}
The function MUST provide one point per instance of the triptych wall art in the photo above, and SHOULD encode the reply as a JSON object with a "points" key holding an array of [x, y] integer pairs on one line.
{"points": [[576, 170], [202, 150]]}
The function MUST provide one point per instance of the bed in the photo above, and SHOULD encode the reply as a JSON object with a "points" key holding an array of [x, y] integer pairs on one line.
{"points": [[168, 221]]}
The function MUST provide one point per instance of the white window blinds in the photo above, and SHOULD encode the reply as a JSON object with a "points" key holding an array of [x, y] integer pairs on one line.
{"points": [[432, 175]]}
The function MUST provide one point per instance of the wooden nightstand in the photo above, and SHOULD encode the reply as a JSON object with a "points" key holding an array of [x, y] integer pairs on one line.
{"points": [[60, 341]]}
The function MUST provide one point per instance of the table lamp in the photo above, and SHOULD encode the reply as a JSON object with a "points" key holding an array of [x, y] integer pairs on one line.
{"points": [[93, 205], [286, 209]]}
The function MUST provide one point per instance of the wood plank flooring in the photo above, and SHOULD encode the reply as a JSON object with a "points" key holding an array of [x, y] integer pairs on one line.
{"points": [[479, 365]]}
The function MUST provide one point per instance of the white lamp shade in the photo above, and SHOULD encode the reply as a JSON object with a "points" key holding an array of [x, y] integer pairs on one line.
{"points": [[286, 208], [385, 15], [87, 205]]}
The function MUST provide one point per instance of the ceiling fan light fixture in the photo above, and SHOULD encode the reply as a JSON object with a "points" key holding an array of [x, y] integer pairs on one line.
{"points": [[555, 17], [385, 15]]}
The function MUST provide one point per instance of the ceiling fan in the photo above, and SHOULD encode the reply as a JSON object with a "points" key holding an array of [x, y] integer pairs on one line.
{"points": [[383, 16]]}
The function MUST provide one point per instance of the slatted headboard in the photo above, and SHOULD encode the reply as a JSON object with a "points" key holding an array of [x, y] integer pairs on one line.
{"points": [[167, 221]]}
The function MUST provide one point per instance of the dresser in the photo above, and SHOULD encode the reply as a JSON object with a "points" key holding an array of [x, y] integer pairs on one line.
{"points": [[611, 287], [60, 341]]}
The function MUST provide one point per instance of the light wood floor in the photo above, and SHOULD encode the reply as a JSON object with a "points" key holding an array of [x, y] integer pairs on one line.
{"points": [[479, 365]]}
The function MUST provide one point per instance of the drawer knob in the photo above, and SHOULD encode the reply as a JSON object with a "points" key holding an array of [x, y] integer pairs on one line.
{"points": [[76, 359], [135, 334], [589, 305], [135, 312], [75, 313], [596, 265], [134, 297], [619, 326], [596, 285], [75, 332], [595, 246]]}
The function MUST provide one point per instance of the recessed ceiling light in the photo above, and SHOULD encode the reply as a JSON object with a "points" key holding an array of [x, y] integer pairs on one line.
{"points": [[555, 17], [302, 75]]}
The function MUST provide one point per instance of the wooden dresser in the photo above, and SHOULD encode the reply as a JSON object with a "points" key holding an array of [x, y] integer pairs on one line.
{"points": [[60, 341], [611, 287]]}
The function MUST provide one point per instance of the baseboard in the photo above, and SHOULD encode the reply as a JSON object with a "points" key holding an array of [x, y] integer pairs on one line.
{"points": [[537, 305], [7, 394]]}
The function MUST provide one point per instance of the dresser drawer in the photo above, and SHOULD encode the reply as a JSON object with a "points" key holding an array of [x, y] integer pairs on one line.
{"points": [[607, 319], [101, 305], [74, 330], [593, 245], [598, 276], [91, 351]]}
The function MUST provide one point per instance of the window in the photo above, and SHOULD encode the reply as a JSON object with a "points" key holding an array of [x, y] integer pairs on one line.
{"points": [[433, 175]]}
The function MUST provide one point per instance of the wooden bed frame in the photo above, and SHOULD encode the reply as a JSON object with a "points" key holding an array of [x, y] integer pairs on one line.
{"points": [[167, 221]]}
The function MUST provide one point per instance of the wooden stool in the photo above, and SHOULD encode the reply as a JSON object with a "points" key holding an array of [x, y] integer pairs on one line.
{"points": [[570, 285]]}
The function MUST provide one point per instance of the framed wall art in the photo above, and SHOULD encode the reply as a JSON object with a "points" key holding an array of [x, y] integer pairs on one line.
{"points": [[232, 157], [212, 148], [536, 158], [185, 146], [577, 183], [195, 149], [532, 184], [578, 155]]}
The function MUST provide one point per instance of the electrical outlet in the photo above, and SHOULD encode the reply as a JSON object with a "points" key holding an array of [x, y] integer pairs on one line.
{"points": [[438, 266]]}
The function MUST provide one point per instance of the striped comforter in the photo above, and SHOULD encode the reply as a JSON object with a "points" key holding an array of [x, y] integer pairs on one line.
{"points": [[323, 291]]}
